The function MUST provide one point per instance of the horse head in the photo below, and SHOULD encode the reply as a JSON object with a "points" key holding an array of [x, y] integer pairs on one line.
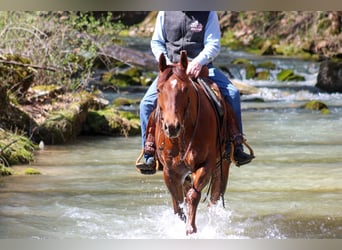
{"points": [[174, 94]]}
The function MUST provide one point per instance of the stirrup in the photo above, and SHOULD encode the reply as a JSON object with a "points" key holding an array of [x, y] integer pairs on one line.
{"points": [[144, 168], [232, 149]]}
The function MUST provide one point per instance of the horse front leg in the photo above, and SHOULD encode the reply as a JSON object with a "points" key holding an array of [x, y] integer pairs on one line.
{"points": [[193, 197], [173, 182]]}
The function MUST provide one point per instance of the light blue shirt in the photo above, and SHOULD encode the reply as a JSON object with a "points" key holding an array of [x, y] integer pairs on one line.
{"points": [[212, 37]]}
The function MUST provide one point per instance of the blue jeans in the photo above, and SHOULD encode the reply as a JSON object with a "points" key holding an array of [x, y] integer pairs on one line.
{"points": [[229, 91]]}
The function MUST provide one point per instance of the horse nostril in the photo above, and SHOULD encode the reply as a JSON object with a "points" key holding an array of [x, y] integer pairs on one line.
{"points": [[178, 126]]}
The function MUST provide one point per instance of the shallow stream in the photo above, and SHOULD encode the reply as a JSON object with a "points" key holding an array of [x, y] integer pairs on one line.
{"points": [[293, 189]]}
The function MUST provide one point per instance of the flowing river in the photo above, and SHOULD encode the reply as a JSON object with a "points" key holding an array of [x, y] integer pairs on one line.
{"points": [[293, 189]]}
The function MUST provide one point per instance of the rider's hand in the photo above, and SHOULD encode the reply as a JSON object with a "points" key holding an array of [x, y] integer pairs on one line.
{"points": [[194, 69]]}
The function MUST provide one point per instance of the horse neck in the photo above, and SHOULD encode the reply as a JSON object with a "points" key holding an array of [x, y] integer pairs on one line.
{"points": [[194, 107], [191, 123]]}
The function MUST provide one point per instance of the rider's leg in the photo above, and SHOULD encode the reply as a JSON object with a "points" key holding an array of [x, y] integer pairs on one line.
{"points": [[232, 96], [147, 105]]}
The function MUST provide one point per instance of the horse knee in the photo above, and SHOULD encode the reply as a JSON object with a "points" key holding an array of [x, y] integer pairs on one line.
{"points": [[193, 196]]}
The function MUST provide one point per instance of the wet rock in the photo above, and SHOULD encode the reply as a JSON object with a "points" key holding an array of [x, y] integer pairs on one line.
{"points": [[329, 78], [263, 75], [250, 68], [289, 75], [317, 105], [244, 88]]}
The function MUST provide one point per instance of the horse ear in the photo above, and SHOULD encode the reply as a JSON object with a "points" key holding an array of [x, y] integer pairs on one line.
{"points": [[162, 62], [184, 59]]}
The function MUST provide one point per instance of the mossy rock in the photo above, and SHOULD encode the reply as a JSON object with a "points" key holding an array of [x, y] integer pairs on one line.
{"points": [[263, 75], [15, 149], [104, 62], [242, 61], [96, 124], [57, 129], [133, 72], [130, 77], [256, 43], [250, 68], [147, 78], [325, 111], [268, 48], [289, 75], [289, 50], [121, 101], [267, 65], [250, 71], [315, 105], [65, 121], [32, 171], [5, 171], [110, 121]]}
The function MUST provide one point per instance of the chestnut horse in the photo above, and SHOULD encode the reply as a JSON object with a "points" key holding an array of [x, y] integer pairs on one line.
{"points": [[189, 140]]}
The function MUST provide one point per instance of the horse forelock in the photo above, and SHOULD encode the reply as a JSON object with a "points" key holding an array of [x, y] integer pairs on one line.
{"points": [[176, 70], [179, 71], [165, 75]]}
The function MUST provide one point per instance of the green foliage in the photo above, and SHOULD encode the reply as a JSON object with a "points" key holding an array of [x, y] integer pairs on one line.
{"points": [[292, 33], [228, 39], [68, 42]]}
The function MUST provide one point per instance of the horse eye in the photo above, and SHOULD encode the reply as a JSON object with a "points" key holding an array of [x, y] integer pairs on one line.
{"points": [[158, 90]]}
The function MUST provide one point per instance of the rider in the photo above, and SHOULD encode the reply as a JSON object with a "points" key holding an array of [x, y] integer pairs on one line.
{"points": [[198, 33]]}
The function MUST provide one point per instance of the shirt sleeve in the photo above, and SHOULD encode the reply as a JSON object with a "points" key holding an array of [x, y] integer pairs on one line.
{"points": [[158, 44], [212, 36]]}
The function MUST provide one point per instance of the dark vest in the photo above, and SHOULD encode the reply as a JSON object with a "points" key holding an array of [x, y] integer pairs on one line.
{"points": [[184, 31]]}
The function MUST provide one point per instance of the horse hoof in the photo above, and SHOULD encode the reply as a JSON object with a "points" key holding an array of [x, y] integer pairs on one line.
{"points": [[190, 230]]}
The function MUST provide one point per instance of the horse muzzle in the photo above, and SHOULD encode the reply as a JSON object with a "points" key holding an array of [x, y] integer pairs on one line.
{"points": [[172, 130]]}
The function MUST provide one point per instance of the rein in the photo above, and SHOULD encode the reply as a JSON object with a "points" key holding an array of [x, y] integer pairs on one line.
{"points": [[196, 122]]}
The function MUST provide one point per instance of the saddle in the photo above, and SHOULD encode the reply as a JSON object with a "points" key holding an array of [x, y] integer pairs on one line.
{"points": [[212, 91]]}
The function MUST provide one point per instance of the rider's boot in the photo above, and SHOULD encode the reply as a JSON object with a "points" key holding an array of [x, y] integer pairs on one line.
{"points": [[240, 157], [236, 141], [148, 166]]}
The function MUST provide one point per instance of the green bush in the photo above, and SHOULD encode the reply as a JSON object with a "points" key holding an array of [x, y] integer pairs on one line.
{"points": [[64, 43]]}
